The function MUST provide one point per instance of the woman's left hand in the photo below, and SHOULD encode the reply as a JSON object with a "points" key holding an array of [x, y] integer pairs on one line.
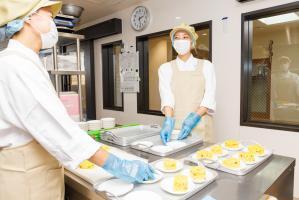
{"points": [[189, 123]]}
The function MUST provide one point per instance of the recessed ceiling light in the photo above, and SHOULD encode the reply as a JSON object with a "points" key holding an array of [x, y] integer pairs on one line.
{"points": [[178, 17], [280, 19]]}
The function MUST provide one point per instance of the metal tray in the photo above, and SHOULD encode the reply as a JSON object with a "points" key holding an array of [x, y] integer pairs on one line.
{"points": [[125, 136], [192, 140], [155, 187], [218, 166]]}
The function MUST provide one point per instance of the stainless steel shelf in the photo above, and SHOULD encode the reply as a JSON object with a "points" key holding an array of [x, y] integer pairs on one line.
{"points": [[62, 72], [71, 36]]}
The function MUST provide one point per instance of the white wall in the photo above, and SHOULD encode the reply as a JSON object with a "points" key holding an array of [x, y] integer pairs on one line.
{"points": [[226, 58]]}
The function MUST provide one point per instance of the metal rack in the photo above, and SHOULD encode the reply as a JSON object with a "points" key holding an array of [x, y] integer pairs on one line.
{"points": [[64, 40]]}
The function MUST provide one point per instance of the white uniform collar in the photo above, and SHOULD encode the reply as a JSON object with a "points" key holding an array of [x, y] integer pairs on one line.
{"points": [[16, 45], [190, 64]]}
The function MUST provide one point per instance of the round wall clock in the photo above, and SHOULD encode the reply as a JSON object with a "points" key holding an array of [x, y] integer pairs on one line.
{"points": [[140, 18]]}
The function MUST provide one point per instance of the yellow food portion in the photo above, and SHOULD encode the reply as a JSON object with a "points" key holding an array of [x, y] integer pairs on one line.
{"points": [[216, 149], [247, 156], [204, 154], [105, 147], [233, 144], [198, 173], [180, 183], [86, 165], [169, 164], [256, 149], [232, 163]]}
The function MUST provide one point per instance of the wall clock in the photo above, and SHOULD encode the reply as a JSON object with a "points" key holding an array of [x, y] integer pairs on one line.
{"points": [[140, 18]]}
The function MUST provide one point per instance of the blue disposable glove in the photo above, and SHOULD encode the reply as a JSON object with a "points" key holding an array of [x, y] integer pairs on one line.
{"points": [[130, 171], [167, 128], [189, 123]]}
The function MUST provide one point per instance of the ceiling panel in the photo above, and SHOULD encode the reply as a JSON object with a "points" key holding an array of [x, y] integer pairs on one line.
{"points": [[94, 9]]}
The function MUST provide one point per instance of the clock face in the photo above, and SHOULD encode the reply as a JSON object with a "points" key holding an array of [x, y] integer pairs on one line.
{"points": [[140, 18]]}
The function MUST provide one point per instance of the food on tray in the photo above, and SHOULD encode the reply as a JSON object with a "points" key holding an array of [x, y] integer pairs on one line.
{"points": [[204, 154], [232, 163], [247, 156], [105, 147], [180, 183], [217, 149], [256, 149], [169, 164], [198, 173], [86, 165], [232, 144]]}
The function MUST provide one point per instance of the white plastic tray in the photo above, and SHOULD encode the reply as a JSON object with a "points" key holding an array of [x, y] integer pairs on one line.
{"points": [[217, 166], [191, 141], [156, 188]]}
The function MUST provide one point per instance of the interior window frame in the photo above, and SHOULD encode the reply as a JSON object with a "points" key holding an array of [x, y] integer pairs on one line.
{"points": [[142, 47], [107, 88], [246, 64]]}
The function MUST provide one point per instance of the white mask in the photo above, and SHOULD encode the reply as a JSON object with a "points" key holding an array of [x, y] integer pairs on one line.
{"points": [[50, 38], [182, 46]]}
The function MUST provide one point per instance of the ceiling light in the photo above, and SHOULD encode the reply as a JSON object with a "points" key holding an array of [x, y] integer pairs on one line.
{"points": [[204, 34], [178, 17], [280, 19]]}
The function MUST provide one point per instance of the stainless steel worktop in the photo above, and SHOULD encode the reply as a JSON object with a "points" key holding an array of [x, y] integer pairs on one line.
{"points": [[275, 176]]}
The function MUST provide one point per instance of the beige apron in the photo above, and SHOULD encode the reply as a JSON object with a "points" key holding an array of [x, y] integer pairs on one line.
{"points": [[188, 88], [29, 172]]}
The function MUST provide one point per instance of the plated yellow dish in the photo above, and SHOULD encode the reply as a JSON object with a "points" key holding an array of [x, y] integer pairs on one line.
{"points": [[256, 149], [232, 163], [217, 149], [247, 157], [232, 144], [197, 173], [169, 164], [204, 154], [86, 165], [180, 183]]}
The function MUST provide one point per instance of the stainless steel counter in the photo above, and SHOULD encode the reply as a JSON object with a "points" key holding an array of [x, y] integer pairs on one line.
{"points": [[274, 177]]}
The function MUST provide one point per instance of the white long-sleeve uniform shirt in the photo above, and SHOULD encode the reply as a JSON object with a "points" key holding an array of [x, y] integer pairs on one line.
{"points": [[165, 78], [30, 109]]}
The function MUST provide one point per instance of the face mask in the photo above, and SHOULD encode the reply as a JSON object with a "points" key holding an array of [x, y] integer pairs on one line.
{"points": [[50, 38], [182, 47]]}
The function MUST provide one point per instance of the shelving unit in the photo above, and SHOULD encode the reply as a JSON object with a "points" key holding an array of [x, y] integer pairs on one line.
{"points": [[66, 39]]}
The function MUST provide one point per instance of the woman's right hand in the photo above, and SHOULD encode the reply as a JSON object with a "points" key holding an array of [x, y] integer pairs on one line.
{"points": [[167, 128]]}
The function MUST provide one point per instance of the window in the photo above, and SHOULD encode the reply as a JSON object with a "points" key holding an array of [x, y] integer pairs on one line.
{"points": [[112, 97], [156, 49], [270, 68]]}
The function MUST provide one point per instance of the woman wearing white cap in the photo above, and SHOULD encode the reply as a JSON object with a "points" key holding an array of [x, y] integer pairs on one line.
{"points": [[187, 89], [36, 133]]}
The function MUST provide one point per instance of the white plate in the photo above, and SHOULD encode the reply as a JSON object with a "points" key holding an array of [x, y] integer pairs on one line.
{"points": [[161, 148], [144, 195], [224, 152], [143, 144], [116, 187], [233, 149], [209, 176], [158, 176], [214, 158], [242, 166], [266, 152], [175, 134], [159, 165], [167, 185], [176, 144]]}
